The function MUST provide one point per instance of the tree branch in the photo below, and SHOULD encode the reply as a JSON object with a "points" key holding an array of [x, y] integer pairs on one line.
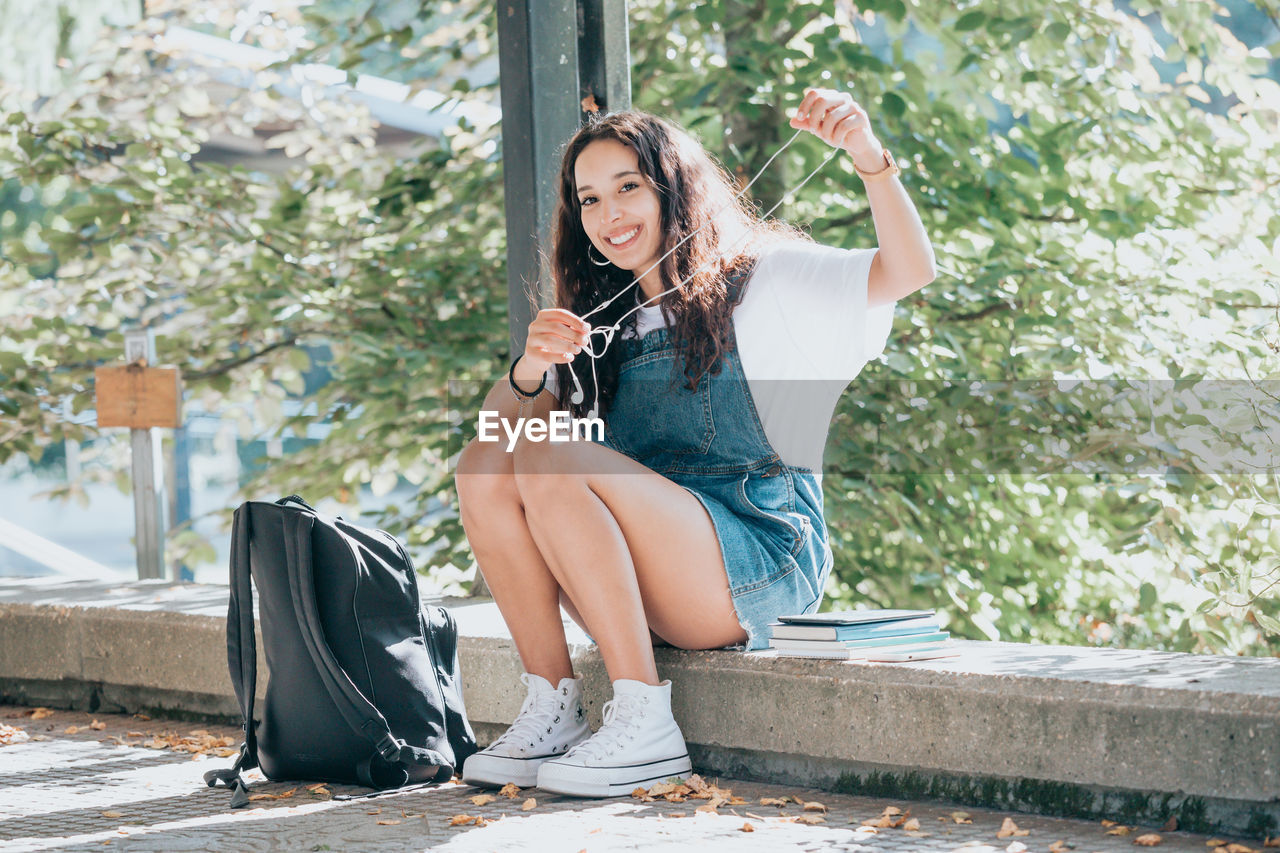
{"points": [[225, 367]]}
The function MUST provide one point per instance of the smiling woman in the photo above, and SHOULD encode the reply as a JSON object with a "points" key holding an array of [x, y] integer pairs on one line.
{"points": [[697, 519]]}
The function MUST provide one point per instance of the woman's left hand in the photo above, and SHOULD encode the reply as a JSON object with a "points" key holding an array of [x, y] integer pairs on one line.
{"points": [[838, 120]]}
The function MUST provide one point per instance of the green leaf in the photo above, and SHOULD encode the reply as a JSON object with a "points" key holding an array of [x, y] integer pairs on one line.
{"points": [[893, 104]]}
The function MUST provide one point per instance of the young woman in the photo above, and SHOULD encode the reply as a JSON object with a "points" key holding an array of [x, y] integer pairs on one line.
{"points": [[698, 519]]}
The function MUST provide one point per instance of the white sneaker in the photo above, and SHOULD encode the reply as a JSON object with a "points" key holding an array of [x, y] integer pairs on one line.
{"points": [[550, 721], [638, 745]]}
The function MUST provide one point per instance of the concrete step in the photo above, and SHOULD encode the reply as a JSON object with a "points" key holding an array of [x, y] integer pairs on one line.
{"points": [[1128, 735]]}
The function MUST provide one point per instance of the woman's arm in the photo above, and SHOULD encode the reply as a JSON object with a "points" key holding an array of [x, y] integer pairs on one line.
{"points": [[904, 261]]}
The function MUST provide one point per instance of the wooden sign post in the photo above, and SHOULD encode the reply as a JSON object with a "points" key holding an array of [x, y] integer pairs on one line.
{"points": [[142, 398]]}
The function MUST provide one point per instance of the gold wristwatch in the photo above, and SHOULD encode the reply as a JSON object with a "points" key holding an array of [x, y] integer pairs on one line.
{"points": [[890, 169]]}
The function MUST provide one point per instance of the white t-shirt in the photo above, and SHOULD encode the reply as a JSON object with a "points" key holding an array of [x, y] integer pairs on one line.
{"points": [[804, 331]]}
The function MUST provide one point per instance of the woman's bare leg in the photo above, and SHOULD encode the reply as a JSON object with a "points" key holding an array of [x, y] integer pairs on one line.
{"points": [[631, 549], [526, 592]]}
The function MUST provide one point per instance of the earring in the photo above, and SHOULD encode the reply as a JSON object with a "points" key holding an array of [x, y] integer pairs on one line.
{"points": [[603, 263]]}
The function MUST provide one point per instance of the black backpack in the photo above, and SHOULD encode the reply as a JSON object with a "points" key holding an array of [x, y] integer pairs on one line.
{"points": [[363, 683]]}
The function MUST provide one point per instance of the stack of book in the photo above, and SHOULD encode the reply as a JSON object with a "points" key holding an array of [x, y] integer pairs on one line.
{"points": [[873, 635]]}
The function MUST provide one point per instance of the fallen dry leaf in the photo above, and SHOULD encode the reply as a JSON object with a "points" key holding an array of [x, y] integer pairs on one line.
{"points": [[1268, 841], [142, 717], [1215, 842], [815, 807], [388, 823], [1238, 848], [915, 833], [480, 820], [12, 734], [509, 790], [482, 799], [97, 726], [1105, 822], [677, 814], [528, 804], [406, 814], [773, 801], [707, 808], [70, 730], [961, 817], [458, 819], [912, 825], [810, 819], [1151, 839], [1119, 829], [1060, 846], [891, 811], [112, 814], [41, 713], [746, 827], [1009, 828]]}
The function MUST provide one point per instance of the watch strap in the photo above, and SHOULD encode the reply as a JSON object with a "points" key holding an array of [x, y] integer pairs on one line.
{"points": [[890, 169]]}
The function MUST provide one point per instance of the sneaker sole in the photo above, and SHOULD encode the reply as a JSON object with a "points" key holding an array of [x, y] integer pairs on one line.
{"points": [[496, 771], [609, 782]]}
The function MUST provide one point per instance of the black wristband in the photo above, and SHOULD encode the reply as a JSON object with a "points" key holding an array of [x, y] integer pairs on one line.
{"points": [[527, 395]]}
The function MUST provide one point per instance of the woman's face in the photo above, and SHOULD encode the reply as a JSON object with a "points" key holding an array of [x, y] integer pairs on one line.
{"points": [[620, 210]]}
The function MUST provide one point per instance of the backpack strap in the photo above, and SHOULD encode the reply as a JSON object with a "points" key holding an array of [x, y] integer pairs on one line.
{"points": [[242, 660], [385, 768]]}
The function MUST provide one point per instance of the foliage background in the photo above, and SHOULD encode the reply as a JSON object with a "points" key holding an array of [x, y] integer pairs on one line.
{"points": [[1099, 182]]}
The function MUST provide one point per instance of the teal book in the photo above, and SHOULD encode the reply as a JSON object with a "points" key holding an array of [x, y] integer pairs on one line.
{"points": [[865, 643]]}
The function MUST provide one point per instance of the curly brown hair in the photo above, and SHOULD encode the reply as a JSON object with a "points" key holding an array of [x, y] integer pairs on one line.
{"points": [[695, 194]]}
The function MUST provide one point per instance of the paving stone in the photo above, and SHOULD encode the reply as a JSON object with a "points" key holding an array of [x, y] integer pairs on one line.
{"points": [[104, 788]]}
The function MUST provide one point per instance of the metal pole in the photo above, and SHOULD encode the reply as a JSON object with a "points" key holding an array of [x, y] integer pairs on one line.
{"points": [[604, 55], [147, 470], [538, 69]]}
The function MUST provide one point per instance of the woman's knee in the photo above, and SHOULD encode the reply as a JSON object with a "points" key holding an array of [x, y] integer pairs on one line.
{"points": [[541, 470], [483, 474]]}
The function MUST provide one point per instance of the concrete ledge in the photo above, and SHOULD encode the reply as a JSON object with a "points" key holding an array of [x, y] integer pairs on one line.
{"points": [[1133, 736]]}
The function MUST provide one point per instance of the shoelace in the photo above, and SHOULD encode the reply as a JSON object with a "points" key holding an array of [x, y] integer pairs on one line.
{"points": [[536, 716], [620, 720]]}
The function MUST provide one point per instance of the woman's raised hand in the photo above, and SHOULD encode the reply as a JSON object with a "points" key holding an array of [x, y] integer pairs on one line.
{"points": [[555, 337], [838, 120]]}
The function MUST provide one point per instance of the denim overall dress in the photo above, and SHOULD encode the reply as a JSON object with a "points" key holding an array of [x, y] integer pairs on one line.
{"points": [[767, 514]]}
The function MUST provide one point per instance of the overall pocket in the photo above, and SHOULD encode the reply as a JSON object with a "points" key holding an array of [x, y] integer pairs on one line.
{"points": [[654, 413]]}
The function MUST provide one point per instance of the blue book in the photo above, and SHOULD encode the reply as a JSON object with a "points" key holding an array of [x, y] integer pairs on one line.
{"points": [[922, 624]]}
